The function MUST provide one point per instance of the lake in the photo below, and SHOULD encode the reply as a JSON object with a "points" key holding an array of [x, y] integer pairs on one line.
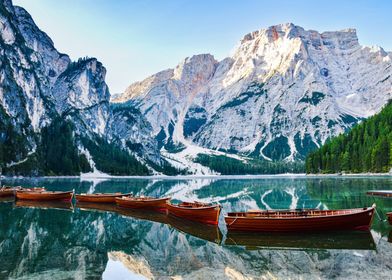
{"points": [[55, 241]]}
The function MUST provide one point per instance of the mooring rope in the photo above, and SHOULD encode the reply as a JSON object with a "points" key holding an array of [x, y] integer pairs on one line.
{"points": [[378, 215], [233, 221], [375, 210]]}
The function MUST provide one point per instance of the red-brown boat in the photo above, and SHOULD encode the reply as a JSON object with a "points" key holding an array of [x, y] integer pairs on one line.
{"points": [[8, 191], [99, 197], [384, 193], [142, 202], [301, 220], [44, 195], [389, 215], [196, 211]]}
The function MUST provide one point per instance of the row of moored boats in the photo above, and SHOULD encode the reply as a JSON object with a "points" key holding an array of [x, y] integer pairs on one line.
{"points": [[208, 213]]}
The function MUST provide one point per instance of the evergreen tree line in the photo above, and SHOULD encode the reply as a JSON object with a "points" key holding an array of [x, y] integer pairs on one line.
{"points": [[365, 148], [56, 154], [112, 159], [13, 144], [230, 166]]}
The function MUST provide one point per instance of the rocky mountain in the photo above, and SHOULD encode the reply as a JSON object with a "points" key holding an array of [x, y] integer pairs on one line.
{"points": [[283, 93], [49, 103]]}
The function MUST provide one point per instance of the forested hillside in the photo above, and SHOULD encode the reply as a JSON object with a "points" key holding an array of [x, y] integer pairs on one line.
{"points": [[366, 148], [230, 166]]}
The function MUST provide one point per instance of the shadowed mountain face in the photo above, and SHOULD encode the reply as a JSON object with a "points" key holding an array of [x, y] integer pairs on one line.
{"points": [[40, 85], [41, 240]]}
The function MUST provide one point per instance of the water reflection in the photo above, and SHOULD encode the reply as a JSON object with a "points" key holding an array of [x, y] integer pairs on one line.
{"points": [[61, 205], [96, 240], [203, 231], [344, 240]]}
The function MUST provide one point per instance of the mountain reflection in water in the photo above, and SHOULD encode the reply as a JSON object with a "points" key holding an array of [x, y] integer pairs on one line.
{"points": [[89, 241]]}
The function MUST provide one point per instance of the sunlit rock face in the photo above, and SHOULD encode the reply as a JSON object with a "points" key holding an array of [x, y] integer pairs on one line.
{"points": [[39, 84], [283, 92]]}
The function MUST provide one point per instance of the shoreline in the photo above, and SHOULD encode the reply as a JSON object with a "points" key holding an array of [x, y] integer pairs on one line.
{"points": [[212, 176]]}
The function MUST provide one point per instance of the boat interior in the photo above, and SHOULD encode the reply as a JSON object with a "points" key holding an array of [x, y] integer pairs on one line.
{"points": [[194, 204], [7, 188], [102, 194], [140, 198]]}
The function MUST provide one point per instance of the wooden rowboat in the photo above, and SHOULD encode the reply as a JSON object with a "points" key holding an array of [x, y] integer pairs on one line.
{"points": [[384, 193], [99, 197], [44, 195], [389, 215], [196, 211], [8, 191], [142, 202], [301, 220]]}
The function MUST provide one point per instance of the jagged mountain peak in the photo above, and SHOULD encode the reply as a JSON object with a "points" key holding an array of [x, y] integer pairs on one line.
{"points": [[292, 31], [274, 32], [190, 74], [195, 69]]}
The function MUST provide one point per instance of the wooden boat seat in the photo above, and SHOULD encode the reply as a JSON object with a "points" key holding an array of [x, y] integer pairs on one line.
{"points": [[137, 198], [194, 204]]}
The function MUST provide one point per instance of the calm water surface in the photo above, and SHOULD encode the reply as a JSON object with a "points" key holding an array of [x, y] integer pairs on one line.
{"points": [[56, 241]]}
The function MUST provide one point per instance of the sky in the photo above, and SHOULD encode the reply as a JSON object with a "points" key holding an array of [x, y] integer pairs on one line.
{"points": [[137, 38]]}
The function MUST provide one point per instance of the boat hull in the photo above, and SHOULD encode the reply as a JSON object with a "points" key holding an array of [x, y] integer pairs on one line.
{"points": [[8, 191], [383, 193], [108, 198], [44, 196], [154, 203], [207, 215], [354, 221]]}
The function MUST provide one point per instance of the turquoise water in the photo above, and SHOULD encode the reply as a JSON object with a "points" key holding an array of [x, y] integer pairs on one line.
{"points": [[59, 241]]}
